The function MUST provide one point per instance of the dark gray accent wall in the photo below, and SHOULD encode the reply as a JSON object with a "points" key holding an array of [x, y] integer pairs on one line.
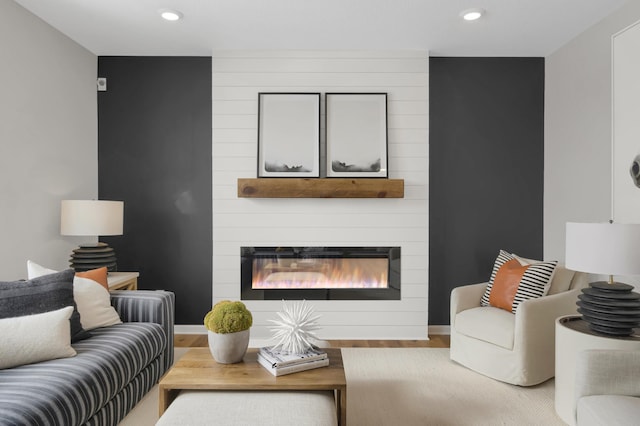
{"points": [[486, 164], [154, 152]]}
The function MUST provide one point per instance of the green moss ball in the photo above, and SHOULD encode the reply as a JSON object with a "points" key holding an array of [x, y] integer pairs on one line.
{"points": [[228, 317]]}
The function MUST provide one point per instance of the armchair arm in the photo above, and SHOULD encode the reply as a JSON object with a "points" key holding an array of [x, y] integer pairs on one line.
{"points": [[155, 306], [536, 318], [465, 297], [607, 372]]}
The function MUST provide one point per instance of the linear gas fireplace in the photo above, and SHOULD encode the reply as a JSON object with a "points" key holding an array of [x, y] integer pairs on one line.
{"points": [[320, 273]]}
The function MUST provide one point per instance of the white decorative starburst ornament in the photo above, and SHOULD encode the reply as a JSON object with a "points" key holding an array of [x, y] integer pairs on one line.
{"points": [[294, 331]]}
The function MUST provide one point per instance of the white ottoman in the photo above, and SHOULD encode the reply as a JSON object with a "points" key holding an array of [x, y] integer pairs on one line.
{"points": [[608, 410], [244, 408]]}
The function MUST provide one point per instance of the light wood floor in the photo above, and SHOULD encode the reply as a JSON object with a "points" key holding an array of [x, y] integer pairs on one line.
{"points": [[436, 341]]}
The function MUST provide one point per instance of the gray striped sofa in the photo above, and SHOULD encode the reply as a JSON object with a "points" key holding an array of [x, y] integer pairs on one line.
{"points": [[111, 372]]}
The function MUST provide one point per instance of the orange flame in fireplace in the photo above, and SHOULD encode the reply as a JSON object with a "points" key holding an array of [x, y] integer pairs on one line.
{"points": [[320, 273]]}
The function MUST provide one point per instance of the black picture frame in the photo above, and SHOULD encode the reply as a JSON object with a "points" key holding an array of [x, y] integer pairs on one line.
{"points": [[288, 134], [357, 135]]}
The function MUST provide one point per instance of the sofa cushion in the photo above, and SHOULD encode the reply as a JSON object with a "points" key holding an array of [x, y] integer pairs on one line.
{"points": [[94, 304], [506, 284], [264, 408], [126, 400], [91, 294], [35, 338], [42, 294], [69, 391], [562, 277], [608, 410], [99, 275], [561, 280], [520, 283], [489, 324]]}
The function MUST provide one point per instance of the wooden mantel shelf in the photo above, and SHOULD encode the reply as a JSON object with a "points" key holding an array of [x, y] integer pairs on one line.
{"points": [[320, 188]]}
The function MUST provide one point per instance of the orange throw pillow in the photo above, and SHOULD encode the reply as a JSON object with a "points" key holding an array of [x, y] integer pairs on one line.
{"points": [[506, 283], [98, 275]]}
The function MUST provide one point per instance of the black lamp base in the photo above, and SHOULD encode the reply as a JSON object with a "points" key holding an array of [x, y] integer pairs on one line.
{"points": [[93, 256], [610, 308]]}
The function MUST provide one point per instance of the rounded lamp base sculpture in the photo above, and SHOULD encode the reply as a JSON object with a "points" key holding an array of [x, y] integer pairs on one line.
{"points": [[610, 308], [93, 256]]}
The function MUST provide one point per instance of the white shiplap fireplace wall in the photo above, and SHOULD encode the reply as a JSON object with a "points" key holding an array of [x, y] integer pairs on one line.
{"points": [[238, 76]]}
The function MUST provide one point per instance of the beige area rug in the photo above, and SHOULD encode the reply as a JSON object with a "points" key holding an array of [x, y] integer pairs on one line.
{"points": [[422, 386], [417, 386]]}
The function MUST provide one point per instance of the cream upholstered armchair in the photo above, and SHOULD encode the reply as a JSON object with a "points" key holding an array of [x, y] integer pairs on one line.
{"points": [[514, 348], [608, 387]]}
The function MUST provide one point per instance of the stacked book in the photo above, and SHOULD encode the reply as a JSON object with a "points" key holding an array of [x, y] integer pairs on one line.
{"points": [[280, 363]]}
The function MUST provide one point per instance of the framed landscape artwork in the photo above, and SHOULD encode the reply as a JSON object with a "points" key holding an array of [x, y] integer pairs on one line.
{"points": [[356, 125], [288, 134]]}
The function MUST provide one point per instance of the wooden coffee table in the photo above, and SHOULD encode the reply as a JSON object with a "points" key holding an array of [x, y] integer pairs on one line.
{"points": [[197, 370]]}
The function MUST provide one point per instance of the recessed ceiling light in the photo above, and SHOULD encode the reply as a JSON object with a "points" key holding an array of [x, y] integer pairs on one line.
{"points": [[472, 14], [170, 14]]}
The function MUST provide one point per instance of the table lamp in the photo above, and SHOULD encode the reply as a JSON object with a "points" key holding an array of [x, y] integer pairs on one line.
{"points": [[607, 249], [92, 218]]}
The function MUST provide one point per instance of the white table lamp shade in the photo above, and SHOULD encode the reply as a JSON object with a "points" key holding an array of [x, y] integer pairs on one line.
{"points": [[91, 217], [603, 248]]}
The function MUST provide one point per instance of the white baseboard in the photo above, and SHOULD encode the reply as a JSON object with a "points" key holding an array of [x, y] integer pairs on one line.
{"points": [[199, 329], [439, 329], [189, 329]]}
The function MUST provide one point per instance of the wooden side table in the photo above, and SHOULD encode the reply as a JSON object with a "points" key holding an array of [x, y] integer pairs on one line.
{"points": [[573, 336], [123, 280]]}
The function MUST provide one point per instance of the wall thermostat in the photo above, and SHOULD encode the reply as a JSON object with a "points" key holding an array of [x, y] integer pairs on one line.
{"points": [[102, 84]]}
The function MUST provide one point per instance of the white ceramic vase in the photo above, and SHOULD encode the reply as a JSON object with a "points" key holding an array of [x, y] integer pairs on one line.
{"points": [[228, 348]]}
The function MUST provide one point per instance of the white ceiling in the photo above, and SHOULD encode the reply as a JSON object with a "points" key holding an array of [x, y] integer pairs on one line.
{"points": [[509, 28]]}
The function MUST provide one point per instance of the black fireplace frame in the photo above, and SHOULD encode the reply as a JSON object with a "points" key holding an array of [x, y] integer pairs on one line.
{"points": [[392, 292]]}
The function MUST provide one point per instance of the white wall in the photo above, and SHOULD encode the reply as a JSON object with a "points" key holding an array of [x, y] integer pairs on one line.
{"points": [[626, 126], [577, 183], [238, 76], [48, 138]]}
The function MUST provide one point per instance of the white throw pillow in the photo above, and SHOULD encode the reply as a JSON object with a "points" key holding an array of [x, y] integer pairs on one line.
{"points": [[94, 304], [35, 338], [34, 270], [92, 299]]}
